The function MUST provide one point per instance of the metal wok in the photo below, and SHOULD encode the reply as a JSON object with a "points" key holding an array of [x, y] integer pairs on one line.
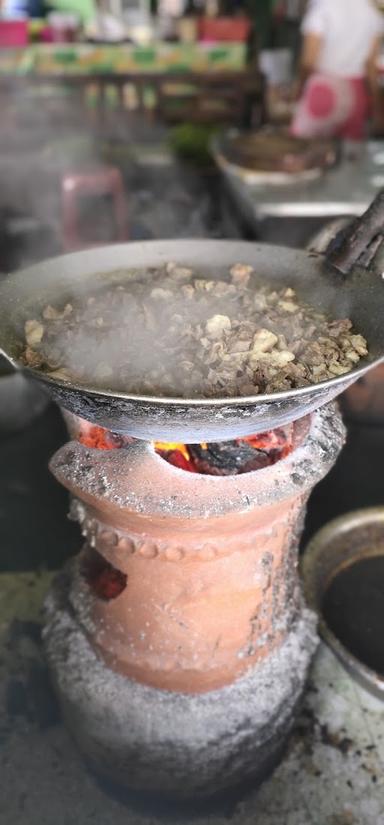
{"points": [[250, 164], [359, 296]]}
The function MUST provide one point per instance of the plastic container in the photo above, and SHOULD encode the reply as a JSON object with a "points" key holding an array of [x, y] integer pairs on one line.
{"points": [[13, 33], [63, 27], [224, 29]]}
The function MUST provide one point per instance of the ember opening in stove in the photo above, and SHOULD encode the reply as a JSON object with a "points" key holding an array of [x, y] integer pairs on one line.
{"points": [[242, 455], [98, 438]]}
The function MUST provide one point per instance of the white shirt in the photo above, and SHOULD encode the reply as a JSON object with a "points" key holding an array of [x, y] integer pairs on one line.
{"points": [[348, 29]]}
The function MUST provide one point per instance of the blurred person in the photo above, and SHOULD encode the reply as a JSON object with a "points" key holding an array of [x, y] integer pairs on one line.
{"points": [[337, 73]]}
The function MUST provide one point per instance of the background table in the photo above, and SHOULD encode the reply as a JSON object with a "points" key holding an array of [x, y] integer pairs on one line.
{"points": [[346, 189]]}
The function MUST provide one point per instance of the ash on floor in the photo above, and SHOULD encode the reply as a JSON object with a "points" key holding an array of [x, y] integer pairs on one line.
{"points": [[332, 773]]}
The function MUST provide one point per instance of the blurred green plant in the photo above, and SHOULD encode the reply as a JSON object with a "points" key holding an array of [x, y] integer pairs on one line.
{"points": [[192, 141]]}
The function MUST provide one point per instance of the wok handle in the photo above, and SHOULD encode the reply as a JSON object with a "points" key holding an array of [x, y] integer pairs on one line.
{"points": [[359, 242]]}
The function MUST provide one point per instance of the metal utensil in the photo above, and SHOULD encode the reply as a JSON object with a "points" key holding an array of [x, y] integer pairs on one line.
{"points": [[360, 296]]}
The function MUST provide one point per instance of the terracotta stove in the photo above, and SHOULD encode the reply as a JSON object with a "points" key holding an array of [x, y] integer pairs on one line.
{"points": [[363, 401], [178, 639]]}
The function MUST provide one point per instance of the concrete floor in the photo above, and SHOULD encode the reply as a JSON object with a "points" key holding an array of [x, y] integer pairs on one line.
{"points": [[332, 772]]}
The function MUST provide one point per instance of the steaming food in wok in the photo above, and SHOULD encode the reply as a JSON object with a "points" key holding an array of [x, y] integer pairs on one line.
{"points": [[174, 333]]}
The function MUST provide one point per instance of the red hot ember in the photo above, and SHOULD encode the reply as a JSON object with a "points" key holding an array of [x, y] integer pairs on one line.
{"points": [[105, 580], [98, 438], [242, 455]]}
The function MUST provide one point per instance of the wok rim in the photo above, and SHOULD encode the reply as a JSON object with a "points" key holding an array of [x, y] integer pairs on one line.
{"points": [[246, 400]]}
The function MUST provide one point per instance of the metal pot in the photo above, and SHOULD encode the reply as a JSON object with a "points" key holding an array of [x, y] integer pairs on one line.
{"points": [[345, 540]]}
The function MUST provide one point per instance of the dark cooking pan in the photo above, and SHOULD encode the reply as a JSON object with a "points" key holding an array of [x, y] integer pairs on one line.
{"points": [[359, 295]]}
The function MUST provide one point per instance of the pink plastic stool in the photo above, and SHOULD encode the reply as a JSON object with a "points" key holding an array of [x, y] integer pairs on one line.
{"points": [[96, 182]]}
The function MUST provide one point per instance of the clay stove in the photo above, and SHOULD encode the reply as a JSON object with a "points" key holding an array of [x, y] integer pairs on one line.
{"points": [[178, 639]]}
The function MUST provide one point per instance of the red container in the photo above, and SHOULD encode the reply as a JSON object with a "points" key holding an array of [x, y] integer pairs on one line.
{"points": [[224, 29], [13, 33], [46, 35]]}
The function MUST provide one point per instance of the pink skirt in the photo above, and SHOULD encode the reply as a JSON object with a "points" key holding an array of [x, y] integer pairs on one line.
{"points": [[332, 107]]}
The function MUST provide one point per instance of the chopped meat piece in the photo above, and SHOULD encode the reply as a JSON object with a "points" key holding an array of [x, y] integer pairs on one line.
{"points": [[50, 313], [34, 332], [217, 325], [161, 294], [263, 341], [178, 273], [352, 355], [287, 306], [239, 346], [280, 358], [338, 369], [240, 274], [359, 344], [187, 333], [32, 359]]}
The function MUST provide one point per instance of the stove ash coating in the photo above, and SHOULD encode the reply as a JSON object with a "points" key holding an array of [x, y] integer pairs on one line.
{"points": [[185, 603]]}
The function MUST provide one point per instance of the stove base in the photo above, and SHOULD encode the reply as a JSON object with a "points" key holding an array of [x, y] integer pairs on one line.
{"points": [[172, 743]]}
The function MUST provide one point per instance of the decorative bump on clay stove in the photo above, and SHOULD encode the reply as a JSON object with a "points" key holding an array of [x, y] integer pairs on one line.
{"points": [[102, 539]]}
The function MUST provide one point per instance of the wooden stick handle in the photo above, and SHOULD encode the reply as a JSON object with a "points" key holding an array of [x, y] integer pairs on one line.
{"points": [[360, 240]]}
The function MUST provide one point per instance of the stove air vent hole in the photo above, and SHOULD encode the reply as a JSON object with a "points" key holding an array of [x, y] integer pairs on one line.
{"points": [[105, 581]]}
